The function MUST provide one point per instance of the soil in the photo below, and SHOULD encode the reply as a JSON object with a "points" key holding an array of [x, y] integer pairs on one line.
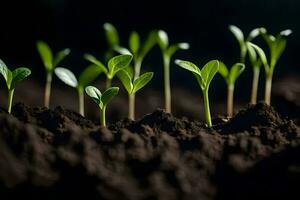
{"points": [[58, 154]]}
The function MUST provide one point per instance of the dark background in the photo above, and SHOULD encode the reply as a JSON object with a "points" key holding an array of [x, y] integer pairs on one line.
{"points": [[204, 24]]}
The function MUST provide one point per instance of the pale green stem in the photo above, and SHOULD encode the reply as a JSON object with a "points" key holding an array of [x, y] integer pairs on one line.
{"points": [[167, 83], [131, 106], [268, 88], [108, 83], [81, 101], [10, 99], [48, 89], [254, 86], [102, 116], [230, 97], [137, 68], [206, 108], [243, 54]]}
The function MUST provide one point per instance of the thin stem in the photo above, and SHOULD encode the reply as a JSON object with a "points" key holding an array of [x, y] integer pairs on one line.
{"points": [[254, 86], [137, 68], [10, 99], [102, 116], [206, 108], [131, 106], [81, 101], [230, 96], [167, 84], [268, 88], [108, 83], [243, 54], [48, 89]]}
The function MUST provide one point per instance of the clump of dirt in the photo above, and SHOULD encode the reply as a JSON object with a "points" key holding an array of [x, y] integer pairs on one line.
{"points": [[58, 154]]}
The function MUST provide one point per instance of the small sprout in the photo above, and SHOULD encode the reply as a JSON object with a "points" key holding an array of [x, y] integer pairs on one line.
{"points": [[86, 77], [204, 78], [50, 63], [167, 52], [276, 45], [102, 99], [230, 77], [242, 40], [12, 78], [132, 86], [115, 64], [112, 38]]}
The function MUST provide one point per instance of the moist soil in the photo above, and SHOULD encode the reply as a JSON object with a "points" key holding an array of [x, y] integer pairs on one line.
{"points": [[58, 154]]}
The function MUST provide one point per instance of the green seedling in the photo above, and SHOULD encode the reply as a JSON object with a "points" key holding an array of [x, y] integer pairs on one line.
{"points": [[230, 77], [242, 40], [204, 78], [12, 78], [112, 38], [167, 52], [85, 78], [50, 63], [115, 64], [132, 86], [102, 99], [276, 45]]}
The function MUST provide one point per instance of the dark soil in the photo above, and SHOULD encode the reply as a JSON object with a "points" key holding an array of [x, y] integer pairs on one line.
{"points": [[58, 154]]}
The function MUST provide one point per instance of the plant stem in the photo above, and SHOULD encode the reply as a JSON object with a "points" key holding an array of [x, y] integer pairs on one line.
{"points": [[102, 116], [131, 106], [254, 86], [206, 108], [230, 95], [10, 99], [108, 83], [48, 89], [167, 83], [268, 88], [243, 54], [81, 101], [137, 68]]}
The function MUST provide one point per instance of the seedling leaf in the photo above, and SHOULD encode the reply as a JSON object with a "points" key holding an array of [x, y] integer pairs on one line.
{"points": [[163, 40], [261, 54], [60, 56], [95, 94], [238, 34], [134, 42], [209, 71], [235, 72], [46, 55], [223, 70], [66, 76], [93, 60], [19, 75], [188, 66], [148, 44], [173, 48], [122, 50], [109, 94], [89, 75], [118, 63], [6, 73], [111, 35], [126, 80], [143, 80]]}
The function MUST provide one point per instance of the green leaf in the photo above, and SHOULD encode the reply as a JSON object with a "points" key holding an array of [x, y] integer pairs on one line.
{"points": [[180, 46], [88, 75], [142, 81], [93, 60], [253, 34], [209, 71], [223, 70], [66, 76], [252, 55], [46, 55], [4, 71], [235, 72], [188, 66], [126, 80], [108, 95], [238, 34], [60, 56], [112, 35], [122, 50], [261, 55], [118, 63], [134, 42], [95, 94], [163, 40], [19, 75], [148, 44]]}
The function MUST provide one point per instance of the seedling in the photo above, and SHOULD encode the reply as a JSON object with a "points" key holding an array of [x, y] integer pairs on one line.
{"points": [[204, 78], [85, 78], [132, 86], [167, 52], [102, 99], [242, 40], [50, 63], [230, 77], [112, 38], [12, 78], [276, 45], [115, 64]]}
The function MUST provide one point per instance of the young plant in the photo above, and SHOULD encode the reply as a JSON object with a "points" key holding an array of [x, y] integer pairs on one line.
{"points": [[167, 52], [115, 64], [86, 77], [102, 99], [276, 45], [132, 86], [242, 40], [112, 38], [230, 77], [50, 63], [204, 78], [12, 78]]}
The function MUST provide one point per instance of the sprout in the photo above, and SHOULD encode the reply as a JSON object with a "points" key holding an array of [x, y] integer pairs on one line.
{"points": [[49, 63], [230, 77], [115, 64], [167, 52], [11, 79], [204, 78], [242, 41], [276, 45], [102, 99], [132, 86], [85, 78], [112, 38]]}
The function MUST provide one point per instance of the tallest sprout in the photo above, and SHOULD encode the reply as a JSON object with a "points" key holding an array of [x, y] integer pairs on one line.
{"points": [[167, 52]]}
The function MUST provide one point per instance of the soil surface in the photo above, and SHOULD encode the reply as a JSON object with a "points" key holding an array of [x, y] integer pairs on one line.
{"points": [[58, 154]]}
